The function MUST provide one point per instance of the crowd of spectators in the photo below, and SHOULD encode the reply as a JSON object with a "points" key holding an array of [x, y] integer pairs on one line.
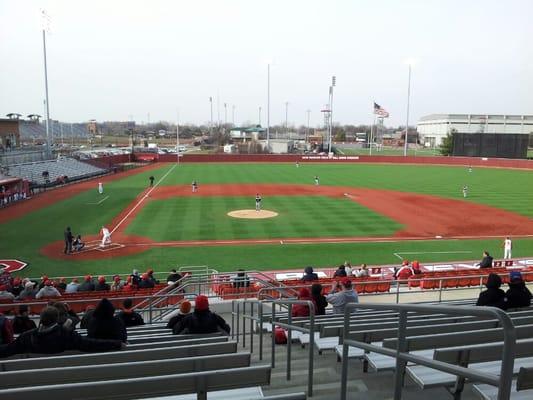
{"points": [[8, 196]]}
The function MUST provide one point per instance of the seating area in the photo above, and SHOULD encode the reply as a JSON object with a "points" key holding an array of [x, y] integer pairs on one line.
{"points": [[57, 169]]}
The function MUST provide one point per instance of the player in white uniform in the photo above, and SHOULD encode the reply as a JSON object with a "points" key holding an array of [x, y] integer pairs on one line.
{"points": [[257, 202], [465, 191], [100, 187], [106, 236], [317, 181], [507, 248], [194, 186]]}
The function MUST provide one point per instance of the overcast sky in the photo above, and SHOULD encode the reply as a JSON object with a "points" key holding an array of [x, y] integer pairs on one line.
{"points": [[110, 60]]}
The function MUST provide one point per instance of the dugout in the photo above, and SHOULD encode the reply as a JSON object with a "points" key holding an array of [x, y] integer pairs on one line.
{"points": [[499, 145]]}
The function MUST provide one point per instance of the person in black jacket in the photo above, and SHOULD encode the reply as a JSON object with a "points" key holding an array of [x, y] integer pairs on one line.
{"points": [[309, 275], [486, 262], [128, 316], [51, 338], [102, 285], [68, 240], [185, 309], [22, 322], [493, 296], [518, 295], [87, 285], [319, 299], [173, 277], [340, 272], [104, 325], [201, 320]]}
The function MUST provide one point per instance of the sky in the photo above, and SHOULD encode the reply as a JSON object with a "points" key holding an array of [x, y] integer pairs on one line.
{"points": [[162, 60]]}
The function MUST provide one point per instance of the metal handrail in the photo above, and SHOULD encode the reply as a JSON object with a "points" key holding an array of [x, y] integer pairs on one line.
{"points": [[503, 381]]}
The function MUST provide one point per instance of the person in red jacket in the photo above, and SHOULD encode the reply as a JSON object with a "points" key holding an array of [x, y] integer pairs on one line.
{"points": [[404, 272], [301, 310]]}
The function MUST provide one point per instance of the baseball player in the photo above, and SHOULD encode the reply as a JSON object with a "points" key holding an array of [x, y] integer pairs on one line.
{"points": [[317, 180], [465, 191], [257, 202], [194, 186], [100, 187], [507, 248], [470, 168], [106, 236]]}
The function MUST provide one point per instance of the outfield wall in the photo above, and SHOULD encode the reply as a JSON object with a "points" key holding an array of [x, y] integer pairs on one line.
{"points": [[292, 158]]}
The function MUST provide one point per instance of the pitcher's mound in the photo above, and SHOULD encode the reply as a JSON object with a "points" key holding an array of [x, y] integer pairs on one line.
{"points": [[252, 214]]}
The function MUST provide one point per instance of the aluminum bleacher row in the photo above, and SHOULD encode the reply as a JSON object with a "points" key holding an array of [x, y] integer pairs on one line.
{"points": [[155, 363], [70, 167]]}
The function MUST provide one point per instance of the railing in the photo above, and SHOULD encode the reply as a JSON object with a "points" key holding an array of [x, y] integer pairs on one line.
{"points": [[503, 381]]}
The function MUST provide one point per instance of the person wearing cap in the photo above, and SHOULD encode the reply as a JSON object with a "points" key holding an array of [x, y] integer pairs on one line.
{"points": [[150, 273], [29, 291], [135, 277], [518, 295], [129, 316], [493, 296], [202, 320], [117, 284], [309, 275], [73, 286], [69, 238], [101, 285], [62, 285], [87, 284], [362, 272], [340, 272], [184, 310], [51, 338], [6, 295], [404, 272], [146, 282], [48, 291], [341, 294], [44, 278], [17, 287], [507, 248], [22, 321], [302, 310]]}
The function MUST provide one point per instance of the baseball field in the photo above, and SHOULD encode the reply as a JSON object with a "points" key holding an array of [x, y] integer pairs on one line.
{"points": [[372, 213]]}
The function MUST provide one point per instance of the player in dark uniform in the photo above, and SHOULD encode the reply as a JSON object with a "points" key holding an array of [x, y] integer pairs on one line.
{"points": [[257, 202], [151, 181], [68, 240]]}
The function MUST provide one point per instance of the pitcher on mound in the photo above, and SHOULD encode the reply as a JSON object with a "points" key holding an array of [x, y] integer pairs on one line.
{"points": [[106, 236], [257, 202]]}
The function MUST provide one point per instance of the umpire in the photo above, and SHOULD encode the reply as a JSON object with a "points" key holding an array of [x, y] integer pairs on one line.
{"points": [[68, 240]]}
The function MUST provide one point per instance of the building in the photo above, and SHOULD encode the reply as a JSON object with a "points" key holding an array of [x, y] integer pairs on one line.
{"points": [[240, 134], [9, 133], [433, 128]]}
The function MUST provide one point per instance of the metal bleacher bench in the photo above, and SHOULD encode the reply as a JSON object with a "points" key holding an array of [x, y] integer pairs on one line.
{"points": [[523, 387]]}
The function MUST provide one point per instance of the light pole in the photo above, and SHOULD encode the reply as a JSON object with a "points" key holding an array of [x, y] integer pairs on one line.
{"points": [[287, 118], [233, 115], [307, 130], [333, 82], [259, 115], [178, 138], [211, 124], [225, 115], [48, 149], [407, 117], [268, 107]]}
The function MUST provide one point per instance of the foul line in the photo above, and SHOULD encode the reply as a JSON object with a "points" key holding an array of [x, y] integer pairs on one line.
{"points": [[144, 197], [101, 201], [430, 252]]}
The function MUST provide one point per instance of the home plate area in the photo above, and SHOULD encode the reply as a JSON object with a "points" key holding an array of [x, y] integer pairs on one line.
{"points": [[95, 245]]}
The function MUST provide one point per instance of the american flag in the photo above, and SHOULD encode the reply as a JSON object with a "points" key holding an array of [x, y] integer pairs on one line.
{"points": [[380, 111]]}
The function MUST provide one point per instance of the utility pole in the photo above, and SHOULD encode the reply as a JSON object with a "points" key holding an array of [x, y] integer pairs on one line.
{"points": [[47, 102], [307, 130], [259, 115], [287, 118]]}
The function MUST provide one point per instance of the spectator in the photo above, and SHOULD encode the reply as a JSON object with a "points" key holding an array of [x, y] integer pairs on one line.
{"points": [[518, 295], [129, 286], [202, 320], [6, 295], [5, 278], [348, 268], [128, 316], [241, 280], [341, 294], [6, 332], [17, 287], [486, 262], [22, 321], [117, 284], [51, 338], [320, 300], [67, 319], [101, 285], [104, 325], [135, 278], [309, 275], [89, 310], [340, 272], [404, 272], [173, 277], [44, 278], [493, 296], [362, 272], [416, 268], [146, 282], [184, 310], [29, 291], [301, 310], [87, 285], [62, 285], [151, 277], [73, 286], [47, 291]]}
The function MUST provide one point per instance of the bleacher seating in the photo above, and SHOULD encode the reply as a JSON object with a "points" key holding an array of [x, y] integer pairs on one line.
{"points": [[69, 167]]}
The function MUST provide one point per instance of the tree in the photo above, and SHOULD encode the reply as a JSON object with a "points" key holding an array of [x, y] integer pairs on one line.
{"points": [[446, 147]]}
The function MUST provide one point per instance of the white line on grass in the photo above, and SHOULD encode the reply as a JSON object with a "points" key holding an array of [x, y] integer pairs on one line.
{"points": [[144, 197], [101, 201], [431, 252]]}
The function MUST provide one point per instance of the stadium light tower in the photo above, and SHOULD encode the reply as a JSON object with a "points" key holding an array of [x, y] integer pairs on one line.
{"points": [[45, 25], [268, 107], [409, 63], [333, 83]]}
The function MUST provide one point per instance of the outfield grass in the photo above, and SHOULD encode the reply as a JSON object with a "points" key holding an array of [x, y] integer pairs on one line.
{"points": [[24, 237]]}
